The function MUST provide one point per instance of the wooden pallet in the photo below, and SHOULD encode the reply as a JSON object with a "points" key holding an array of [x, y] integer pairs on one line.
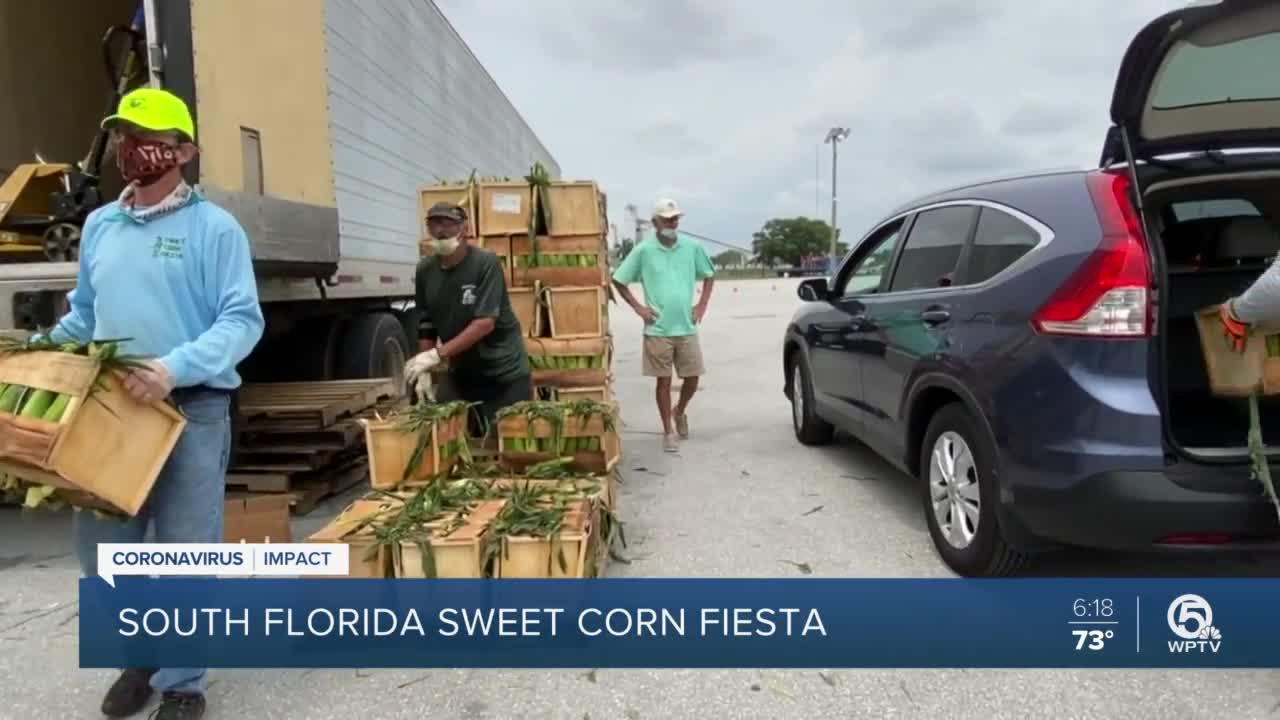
{"points": [[305, 489], [310, 494], [309, 405], [339, 434], [342, 434]]}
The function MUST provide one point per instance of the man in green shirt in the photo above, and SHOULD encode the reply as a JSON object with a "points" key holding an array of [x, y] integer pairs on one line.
{"points": [[466, 319], [667, 267]]}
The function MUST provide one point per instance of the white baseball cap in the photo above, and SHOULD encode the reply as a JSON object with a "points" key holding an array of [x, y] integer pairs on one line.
{"points": [[666, 208]]}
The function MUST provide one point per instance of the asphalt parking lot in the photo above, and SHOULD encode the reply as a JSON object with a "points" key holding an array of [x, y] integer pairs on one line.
{"points": [[741, 499]]}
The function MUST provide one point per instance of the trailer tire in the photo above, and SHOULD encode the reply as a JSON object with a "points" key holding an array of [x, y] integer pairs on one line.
{"points": [[373, 346], [410, 319]]}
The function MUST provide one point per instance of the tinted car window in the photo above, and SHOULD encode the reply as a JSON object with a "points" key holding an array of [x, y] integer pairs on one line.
{"points": [[865, 275], [1221, 72], [1001, 239], [1227, 207], [932, 249]]}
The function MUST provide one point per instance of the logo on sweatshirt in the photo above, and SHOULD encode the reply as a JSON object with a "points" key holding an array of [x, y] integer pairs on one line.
{"points": [[168, 247], [468, 294]]}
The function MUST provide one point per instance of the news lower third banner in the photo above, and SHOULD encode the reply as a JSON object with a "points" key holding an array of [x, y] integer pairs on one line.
{"points": [[671, 623]]}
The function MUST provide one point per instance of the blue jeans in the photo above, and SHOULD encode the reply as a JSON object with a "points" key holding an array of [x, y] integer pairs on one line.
{"points": [[185, 504]]}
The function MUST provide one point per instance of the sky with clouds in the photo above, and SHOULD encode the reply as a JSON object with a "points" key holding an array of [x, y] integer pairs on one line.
{"points": [[724, 105]]}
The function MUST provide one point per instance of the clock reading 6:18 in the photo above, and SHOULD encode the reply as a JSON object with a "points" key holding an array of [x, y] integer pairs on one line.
{"points": [[1098, 608]]}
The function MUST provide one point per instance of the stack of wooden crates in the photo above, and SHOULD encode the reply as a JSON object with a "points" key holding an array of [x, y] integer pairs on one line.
{"points": [[558, 279]]}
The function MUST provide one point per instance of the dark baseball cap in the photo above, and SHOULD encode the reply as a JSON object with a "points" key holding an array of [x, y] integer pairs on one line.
{"points": [[447, 211]]}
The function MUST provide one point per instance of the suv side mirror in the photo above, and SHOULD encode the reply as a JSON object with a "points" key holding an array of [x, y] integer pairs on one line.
{"points": [[813, 290]]}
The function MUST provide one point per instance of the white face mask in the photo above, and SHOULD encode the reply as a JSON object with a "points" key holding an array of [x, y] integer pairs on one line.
{"points": [[667, 233], [445, 246]]}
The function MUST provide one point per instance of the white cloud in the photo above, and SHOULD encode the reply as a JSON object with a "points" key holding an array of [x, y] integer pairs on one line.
{"points": [[722, 104]]}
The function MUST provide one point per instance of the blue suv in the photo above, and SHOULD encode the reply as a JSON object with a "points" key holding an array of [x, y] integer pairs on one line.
{"points": [[1028, 348]]}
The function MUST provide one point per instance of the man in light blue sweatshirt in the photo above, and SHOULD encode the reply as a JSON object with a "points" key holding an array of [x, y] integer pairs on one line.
{"points": [[172, 272]]}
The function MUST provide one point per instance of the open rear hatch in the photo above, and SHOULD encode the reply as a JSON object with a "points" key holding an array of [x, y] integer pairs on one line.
{"points": [[1198, 79], [1201, 79]]}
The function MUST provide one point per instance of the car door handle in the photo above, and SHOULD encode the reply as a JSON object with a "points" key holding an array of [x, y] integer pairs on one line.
{"points": [[860, 323], [935, 316]]}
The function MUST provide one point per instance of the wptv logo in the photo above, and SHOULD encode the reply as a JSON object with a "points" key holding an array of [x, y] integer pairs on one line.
{"points": [[1191, 619]]}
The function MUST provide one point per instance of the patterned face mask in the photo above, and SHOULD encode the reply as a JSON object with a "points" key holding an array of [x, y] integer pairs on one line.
{"points": [[144, 162]]}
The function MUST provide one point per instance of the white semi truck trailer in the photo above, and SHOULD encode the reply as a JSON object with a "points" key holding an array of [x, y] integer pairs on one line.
{"points": [[317, 122]]}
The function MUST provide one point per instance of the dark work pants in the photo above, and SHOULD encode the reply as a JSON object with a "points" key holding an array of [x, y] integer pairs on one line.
{"points": [[491, 396]]}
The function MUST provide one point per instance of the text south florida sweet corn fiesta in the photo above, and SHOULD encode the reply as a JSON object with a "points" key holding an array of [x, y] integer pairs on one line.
{"points": [[472, 622]]}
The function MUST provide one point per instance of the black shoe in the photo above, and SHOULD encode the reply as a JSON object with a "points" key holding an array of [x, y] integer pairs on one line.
{"points": [[180, 706], [129, 693]]}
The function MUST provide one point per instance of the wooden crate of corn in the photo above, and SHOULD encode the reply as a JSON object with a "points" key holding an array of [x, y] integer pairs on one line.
{"points": [[575, 312], [1231, 373], [529, 310], [598, 492], [416, 444], [537, 536], [574, 261], [355, 527], [505, 207], [578, 363], [463, 193], [1271, 367], [569, 485], [456, 527], [574, 207], [1249, 374], [439, 530], [599, 394], [499, 245], [70, 433], [451, 546], [536, 431]]}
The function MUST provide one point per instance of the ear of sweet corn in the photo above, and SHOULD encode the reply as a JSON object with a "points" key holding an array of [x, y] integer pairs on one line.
{"points": [[565, 362], [34, 403]]}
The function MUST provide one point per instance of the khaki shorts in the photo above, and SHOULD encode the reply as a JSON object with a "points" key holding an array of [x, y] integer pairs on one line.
{"points": [[663, 354]]}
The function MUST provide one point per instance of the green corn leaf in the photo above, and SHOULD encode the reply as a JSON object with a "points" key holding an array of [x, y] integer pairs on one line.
{"points": [[1258, 454]]}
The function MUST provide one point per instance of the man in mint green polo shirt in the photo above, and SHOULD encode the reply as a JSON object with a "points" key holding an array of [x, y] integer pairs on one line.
{"points": [[668, 266]]}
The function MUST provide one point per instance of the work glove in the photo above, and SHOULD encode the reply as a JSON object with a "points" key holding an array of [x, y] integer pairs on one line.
{"points": [[417, 373], [1233, 329], [423, 389]]}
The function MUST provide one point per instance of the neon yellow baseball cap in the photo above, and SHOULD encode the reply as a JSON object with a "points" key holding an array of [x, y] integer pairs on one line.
{"points": [[154, 109]]}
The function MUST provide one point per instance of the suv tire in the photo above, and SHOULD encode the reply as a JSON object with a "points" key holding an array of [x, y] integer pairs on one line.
{"points": [[967, 472], [810, 429]]}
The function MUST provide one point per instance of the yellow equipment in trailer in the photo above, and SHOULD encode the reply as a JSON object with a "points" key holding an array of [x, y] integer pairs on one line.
{"points": [[28, 231]]}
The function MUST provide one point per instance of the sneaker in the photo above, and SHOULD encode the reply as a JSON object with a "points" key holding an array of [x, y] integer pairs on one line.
{"points": [[129, 693], [180, 706], [682, 426], [670, 443]]}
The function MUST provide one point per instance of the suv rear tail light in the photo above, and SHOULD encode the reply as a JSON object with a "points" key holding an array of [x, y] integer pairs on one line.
{"points": [[1109, 296]]}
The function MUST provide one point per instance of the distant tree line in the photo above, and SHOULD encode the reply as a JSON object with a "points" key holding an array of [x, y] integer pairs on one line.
{"points": [[781, 241]]}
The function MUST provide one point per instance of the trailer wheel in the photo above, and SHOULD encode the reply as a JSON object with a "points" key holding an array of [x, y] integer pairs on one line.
{"points": [[373, 346], [410, 319], [320, 341]]}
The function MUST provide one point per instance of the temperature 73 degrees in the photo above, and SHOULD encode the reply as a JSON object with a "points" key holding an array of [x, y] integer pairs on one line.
{"points": [[1095, 639]]}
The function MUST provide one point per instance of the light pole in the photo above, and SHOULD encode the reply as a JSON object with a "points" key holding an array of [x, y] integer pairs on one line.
{"points": [[834, 136], [817, 180]]}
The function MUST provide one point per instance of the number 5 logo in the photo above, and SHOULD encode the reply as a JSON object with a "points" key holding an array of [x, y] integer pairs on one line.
{"points": [[1189, 608]]}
